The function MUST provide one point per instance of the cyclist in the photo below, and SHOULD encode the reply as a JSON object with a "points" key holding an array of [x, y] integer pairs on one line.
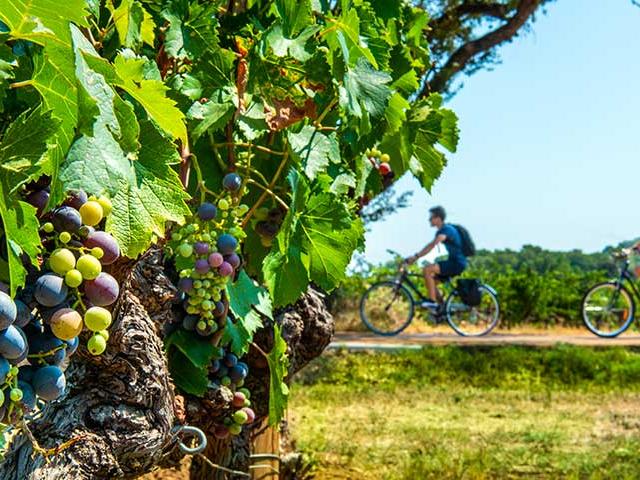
{"points": [[454, 265], [635, 260]]}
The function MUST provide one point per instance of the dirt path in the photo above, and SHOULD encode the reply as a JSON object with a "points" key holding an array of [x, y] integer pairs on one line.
{"points": [[363, 341]]}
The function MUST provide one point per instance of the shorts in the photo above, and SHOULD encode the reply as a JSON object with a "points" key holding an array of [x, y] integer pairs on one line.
{"points": [[449, 268]]}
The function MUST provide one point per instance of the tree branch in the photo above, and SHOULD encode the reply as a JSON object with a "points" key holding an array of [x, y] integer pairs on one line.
{"points": [[495, 10], [465, 54]]}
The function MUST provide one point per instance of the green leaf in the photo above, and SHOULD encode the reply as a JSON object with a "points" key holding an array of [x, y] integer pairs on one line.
{"points": [[24, 148], [199, 350], [343, 34], [365, 90], [314, 150], [212, 115], [193, 29], [151, 94], [47, 23], [142, 207], [294, 14], [286, 276], [7, 63], [278, 366], [247, 301], [295, 47], [128, 18], [396, 112], [187, 376]]}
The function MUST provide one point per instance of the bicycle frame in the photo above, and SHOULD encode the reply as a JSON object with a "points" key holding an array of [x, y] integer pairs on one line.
{"points": [[626, 275], [404, 279]]}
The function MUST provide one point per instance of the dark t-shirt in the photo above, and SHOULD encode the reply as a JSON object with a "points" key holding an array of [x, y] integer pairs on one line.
{"points": [[453, 243]]}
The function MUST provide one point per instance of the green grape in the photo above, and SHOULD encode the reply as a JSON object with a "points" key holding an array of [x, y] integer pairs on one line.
{"points": [[176, 237], [243, 208], [89, 267], [225, 214], [261, 214], [226, 381], [62, 260], [192, 310], [240, 417], [97, 318], [97, 344], [106, 205], [97, 252], [91, 213], [73, 278], [201, 325], [104, 333], [205, 237], [207, 305], [48, 227], [223, 204], [245, 392], [15, 394], [235, 429], [185, 250], [206, 283], [13, 372], [64, 237], [1, 397], [385, 158], [201, 292], [197, 284], [247, 403]]}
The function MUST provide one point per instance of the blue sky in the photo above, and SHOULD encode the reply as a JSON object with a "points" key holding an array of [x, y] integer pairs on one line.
{"points": [[549, 150]]}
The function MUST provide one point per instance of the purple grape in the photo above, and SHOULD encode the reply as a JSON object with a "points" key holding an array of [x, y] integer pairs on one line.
{"points": [[230, 360], [215, 366], [232, 182], [66, 219], [201, 248], [39, 200], [221, 432], [28, 401], [207, 211], [185, 285], [49, 382], [107, 243], [202, 266], [223, 371], [72, 346], [85, 231], [4, 288], [50, 290], [216, 259], [251, 416], [227, 244], [12, 343], [189, 322], [5, 366], [219, 309], [225, 270], [103, 290], [76, 199], [245, 367], [237, 373], [238, 399], [26, 373], [8, 311], [233, 260], [45, 342], [23, 316]]}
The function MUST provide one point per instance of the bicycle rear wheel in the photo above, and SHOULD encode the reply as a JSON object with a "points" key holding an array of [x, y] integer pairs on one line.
{"points": [[386, 308], [473, 321], [608, 309]]}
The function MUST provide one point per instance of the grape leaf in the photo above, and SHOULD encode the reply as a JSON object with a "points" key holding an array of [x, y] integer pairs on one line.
{"points": [[192, 31], [7, 63], [343, 34], [286, 276], [365, 90], [187, 376], [211, 115], [278, 366], [199, 350], [128, 19], [314, 150], [295, 47], [294, 14], [47, 23]]}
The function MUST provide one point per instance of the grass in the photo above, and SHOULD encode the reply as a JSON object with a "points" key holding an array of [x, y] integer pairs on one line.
{"points": [[453, 412]]}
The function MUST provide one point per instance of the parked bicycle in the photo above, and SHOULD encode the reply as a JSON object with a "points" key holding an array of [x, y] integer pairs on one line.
{"points": [[471, 308], [608, 308]]}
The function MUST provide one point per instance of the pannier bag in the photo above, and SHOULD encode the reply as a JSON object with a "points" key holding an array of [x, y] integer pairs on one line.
{"points": [[469, 290]]}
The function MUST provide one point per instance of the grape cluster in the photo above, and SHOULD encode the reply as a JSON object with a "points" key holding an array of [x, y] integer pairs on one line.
{"points": [[380, 162], [228, 371], [40, 329], [205, 254]]}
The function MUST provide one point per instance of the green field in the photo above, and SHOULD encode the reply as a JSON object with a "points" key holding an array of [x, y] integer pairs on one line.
{"points": [[452, 412]]}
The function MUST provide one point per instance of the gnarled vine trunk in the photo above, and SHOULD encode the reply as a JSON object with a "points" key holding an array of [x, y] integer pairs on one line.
{"points": [[120, 408]]}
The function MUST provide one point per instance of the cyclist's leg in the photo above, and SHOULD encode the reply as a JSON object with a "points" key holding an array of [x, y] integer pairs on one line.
{"points": [[430, 272]]}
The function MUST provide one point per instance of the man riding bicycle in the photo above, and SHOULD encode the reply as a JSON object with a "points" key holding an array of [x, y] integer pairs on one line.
{"points": [[454, 265]]}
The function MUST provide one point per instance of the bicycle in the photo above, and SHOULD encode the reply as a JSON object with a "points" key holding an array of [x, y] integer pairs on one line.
{"points": [[608, 308], [388, 307]]}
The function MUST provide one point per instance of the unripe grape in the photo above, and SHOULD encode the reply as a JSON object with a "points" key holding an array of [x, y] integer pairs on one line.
{"points": [[226, 381], [261, 213], [97, 344], [245, 391], [106, 205], [104, 333], [64, 237], [15, 395], [89, 266], [73, 278], [225, 270], [48, 227], [235, 429], [91, 213], [62, 260], [216, 259], [97, 252], [185, 250], [97, 318], [240, 417], [66, 323], [223, 204], [251, 416], [385, 157]]}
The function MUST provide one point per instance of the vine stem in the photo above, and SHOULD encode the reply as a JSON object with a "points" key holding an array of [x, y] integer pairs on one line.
{"points": [[325, 112], [262, 352], [185, 165], [248, 145], [24, 83], [264, 195], [270, 192], [48, 452]]}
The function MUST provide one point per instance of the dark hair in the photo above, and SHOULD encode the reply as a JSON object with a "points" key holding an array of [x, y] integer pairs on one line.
{"points": [[438, 212]]}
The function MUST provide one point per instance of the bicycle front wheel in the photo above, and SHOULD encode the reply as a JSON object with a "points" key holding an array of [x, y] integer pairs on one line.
{"points": [[386, 308], [608, 309], [473, 321]]}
